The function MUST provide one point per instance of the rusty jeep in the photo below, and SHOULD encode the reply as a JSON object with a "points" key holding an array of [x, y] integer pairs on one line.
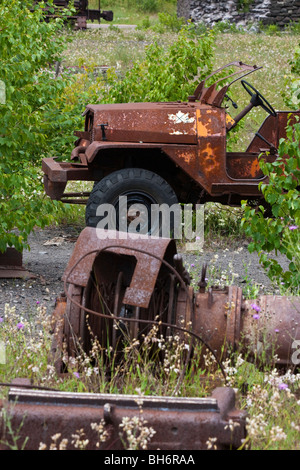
{"points": [[168, 152]]}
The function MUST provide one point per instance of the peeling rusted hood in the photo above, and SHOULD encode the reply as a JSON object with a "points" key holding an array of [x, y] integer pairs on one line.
{"points": [[174, 122], [164, 122]]}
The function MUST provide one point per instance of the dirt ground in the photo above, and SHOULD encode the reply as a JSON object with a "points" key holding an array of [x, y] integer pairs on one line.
{"points": [[51, 250]]}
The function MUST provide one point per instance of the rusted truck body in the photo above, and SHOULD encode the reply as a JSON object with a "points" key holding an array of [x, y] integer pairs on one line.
{"points": [[82, 13], [168, 152]]}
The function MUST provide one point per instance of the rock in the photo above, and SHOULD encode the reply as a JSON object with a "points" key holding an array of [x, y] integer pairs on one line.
{"points": [[259, 11]]}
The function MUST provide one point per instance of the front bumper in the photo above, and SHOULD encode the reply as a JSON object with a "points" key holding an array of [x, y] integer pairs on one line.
{"points": [[58, 174]]}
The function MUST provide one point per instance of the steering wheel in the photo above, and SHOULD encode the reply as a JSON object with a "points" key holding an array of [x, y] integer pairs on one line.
{"points": [[257, 99]]}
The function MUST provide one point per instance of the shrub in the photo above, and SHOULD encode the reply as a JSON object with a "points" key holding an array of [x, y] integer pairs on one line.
{"points": [[27, 47], [165, 74], [291, 95], [279, 233]]}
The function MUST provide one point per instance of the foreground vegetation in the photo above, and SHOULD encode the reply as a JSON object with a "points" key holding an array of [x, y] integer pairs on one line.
{"points": [[271, 397], [108, 65]]}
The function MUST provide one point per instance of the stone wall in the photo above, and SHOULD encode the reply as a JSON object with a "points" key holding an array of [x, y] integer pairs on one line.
{"points": [[266, 12]]}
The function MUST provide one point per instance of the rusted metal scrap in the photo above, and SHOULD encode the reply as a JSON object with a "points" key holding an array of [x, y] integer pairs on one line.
{"points": [[82, 14], [141, 281], [11, 265], [179, 423]]}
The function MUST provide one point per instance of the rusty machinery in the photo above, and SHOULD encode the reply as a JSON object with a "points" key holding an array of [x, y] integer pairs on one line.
{"points": [[165, 153], [82, 14], [134, 282], [136, 149], [179, 423], [11, 265], [140, 281]]}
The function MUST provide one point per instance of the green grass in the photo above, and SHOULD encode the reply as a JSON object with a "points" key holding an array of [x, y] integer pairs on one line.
{"points": [[271, 52]]}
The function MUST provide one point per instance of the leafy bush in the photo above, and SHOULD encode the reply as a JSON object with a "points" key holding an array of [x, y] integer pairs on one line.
{"points": [[170, 22], [244, 5], [281, 232], [66, 116], [291, 95], [27, 47], [293, 27], [272, 29], [165, 74], [295, 63]]}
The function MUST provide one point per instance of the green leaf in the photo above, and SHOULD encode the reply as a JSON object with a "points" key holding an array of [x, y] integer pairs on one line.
{"points": [[27, 47]]}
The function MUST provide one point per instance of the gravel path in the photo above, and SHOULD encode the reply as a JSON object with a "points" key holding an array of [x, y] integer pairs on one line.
{"points": [[51, 250], [48, 256]]}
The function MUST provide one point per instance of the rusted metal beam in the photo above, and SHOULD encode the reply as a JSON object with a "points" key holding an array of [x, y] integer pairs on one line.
{"points": [[178, 423], [57, 174]]}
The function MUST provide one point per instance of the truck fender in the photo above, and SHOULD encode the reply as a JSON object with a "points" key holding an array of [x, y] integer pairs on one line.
{"points": [[96, 147]]}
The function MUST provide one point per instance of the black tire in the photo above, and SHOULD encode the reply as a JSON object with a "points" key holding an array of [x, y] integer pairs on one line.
{"points": [[140, 187]]}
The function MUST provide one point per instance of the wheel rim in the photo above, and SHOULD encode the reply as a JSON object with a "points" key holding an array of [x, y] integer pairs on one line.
{"points": [[133, 213]]}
